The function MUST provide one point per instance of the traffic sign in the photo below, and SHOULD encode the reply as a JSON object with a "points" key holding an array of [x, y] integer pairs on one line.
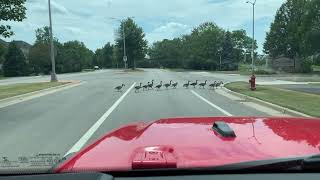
{"points": [[125, 58]]}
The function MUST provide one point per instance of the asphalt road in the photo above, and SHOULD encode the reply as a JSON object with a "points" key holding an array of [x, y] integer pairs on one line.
{"points": [[307, 88], [68, 119]]}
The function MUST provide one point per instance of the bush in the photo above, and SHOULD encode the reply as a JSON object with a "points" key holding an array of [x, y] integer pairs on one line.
{"points": [[306, 66], [263, 72]]}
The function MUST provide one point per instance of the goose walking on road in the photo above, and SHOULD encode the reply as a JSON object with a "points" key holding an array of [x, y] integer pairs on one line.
{"points": [[219, 84], [174, 85], [151, 85], [145, 87], [203, 84], [186, 85], [213, 85], [159, 86], [194, 84], [118, 88], [137, 88], [168, 84]]}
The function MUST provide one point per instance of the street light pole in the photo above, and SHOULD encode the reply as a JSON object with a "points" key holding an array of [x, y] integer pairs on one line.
{"points": [[53, 68], [253, 41], [125, 58]]}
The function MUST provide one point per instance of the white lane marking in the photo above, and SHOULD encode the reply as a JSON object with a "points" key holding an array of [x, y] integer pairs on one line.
{"points": [[93, 129], [211, 104]]}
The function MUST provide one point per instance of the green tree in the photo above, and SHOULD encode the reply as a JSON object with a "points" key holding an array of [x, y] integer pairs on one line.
{"points": [[227, 54], [15, 62], [286, 32], [11, 10], [168, 53], [104, 57], [39, 53], [3, 51], [311, 28], [242, 44], [136, 45], [73, 56]]}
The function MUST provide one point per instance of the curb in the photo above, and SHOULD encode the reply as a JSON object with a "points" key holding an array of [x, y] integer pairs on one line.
{"points": [[27, 96], [268, 104]]}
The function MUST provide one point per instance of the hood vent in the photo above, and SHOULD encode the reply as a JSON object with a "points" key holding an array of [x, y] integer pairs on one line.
{"points": [[223, 129]]}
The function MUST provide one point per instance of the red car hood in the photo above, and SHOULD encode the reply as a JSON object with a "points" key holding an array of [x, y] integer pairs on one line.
{"points": [[191, 142]]}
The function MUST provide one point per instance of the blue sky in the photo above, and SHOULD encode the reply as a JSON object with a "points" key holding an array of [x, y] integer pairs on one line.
{"points": [[89, 21]]}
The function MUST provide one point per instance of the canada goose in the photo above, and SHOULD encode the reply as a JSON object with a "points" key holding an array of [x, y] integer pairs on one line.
{"points": [[174, 85], [159, 86], [186, 85], [137, 88], [151, 85], [203, 84], [219, 84], [168, 85], [194, 84], [118, 88], [145, 87], [213, 84]]}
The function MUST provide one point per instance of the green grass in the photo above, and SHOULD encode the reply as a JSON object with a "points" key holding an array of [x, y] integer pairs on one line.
{"points": [[2, 77], [298, 101], [316, 68], [7, 91]]}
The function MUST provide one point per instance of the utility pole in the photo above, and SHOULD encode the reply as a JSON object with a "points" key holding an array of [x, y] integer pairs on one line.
{"points": [[53, 65], [253, 41]]}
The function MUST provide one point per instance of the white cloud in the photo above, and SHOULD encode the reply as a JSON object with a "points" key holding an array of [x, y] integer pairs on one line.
{"points": [[167, 31]]}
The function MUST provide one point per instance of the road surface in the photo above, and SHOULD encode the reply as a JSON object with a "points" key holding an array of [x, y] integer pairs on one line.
{"points": [[70, 119]]}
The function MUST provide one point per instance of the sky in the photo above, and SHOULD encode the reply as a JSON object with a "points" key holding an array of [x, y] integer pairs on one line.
{"points": [[91, 21]]}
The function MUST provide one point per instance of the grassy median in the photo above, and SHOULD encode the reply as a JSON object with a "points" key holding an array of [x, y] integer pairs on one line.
{"points": [[7, 91], [298, 101]]}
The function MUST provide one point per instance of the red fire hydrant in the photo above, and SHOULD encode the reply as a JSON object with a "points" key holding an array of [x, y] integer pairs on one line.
{"points": [[252, 82]]}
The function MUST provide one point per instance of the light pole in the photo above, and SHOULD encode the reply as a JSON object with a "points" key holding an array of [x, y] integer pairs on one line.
{"points": [[253, 42], [125, 58], [53, 65]]}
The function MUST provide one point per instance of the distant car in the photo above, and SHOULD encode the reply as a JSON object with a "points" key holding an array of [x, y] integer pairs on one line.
{"points": [[96, 68]]}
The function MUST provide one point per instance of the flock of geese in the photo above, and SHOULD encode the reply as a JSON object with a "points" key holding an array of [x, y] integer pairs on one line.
{"points": [[173, 85]]}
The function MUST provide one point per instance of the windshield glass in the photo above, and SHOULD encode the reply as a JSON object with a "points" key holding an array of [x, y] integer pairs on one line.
{"points": [[114, 79]]}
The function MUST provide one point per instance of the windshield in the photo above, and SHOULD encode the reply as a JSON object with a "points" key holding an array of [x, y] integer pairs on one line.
{"points": [[103, 82]]}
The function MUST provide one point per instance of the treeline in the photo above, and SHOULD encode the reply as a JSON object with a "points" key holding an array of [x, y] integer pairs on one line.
{"points": [[208, 47], [74, 56], [295, 33]]}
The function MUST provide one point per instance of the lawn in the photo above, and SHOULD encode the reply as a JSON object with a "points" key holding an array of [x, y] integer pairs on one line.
{"points": [[7, 91], [2, 77], [298, 101], [316, 68]]}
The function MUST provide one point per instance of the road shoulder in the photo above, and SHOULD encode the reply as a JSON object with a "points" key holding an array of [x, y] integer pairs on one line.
{"points": [[39, 93]]}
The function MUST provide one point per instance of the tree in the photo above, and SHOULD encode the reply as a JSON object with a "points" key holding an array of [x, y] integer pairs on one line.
{"points": [[242, 45], [15, 62], [136, 45], [227, 54], [311, 28], [3, 51], [286, 31], [11, 10], [74, 56], [39, 58], [39, 54], [105, 57]]}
